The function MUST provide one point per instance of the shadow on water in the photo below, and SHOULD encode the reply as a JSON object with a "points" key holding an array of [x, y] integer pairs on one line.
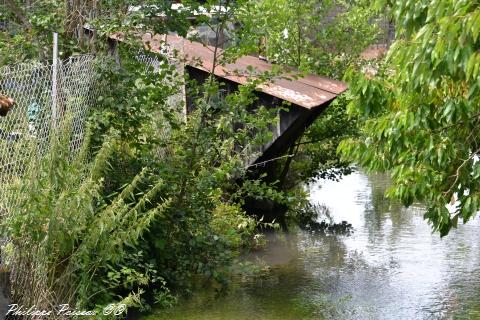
{"points": [[391, 267]]}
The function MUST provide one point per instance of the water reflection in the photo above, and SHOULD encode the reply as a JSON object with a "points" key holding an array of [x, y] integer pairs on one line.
{"points": [[416, 274], [392, 267]]}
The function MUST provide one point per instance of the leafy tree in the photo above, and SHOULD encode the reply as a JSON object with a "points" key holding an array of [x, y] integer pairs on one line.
{"points": [[320, 37], [420, 110]]}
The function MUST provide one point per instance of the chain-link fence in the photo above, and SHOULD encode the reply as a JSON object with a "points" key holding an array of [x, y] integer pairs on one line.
{"points": [[44, 94], [170, 54], [155, 62]]}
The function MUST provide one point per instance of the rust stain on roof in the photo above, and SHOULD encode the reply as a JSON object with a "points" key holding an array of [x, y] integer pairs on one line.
{"points": [[308, 91]]}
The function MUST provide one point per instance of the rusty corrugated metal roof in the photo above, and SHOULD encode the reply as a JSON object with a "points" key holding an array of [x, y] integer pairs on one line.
{"points": [[306, 91]]}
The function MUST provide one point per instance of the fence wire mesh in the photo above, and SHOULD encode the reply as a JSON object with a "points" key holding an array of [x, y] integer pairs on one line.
{"points": [[154, 63], [41, 103]]}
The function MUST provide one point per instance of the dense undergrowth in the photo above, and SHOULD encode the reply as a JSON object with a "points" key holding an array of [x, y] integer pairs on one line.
{"points": [[152, 201]]}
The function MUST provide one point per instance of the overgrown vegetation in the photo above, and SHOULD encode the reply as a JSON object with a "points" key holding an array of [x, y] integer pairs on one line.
{"points": [[155, 200], [201, 159], [159, 205], [65, 238]]}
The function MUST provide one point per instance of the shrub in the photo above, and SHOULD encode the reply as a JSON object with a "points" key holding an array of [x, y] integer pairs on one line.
{"points": [[67, 245]]}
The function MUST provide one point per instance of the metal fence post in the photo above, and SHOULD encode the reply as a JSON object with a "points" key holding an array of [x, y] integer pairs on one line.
{"points": [[54, 79]]}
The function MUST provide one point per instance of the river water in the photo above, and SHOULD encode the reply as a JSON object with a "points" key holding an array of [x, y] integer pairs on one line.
{"points": [[391, 267]]}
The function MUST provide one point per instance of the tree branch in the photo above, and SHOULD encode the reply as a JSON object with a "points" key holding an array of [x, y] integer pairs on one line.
{"points": [[457, 174]]}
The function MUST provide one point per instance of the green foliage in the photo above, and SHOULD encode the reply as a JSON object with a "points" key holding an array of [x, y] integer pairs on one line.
{"points": [[161, 202], [26, 27], [420, 110], [67, 243], [126, 238], [28, 30], [97, 231], [200, 158], [321, 38]]}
